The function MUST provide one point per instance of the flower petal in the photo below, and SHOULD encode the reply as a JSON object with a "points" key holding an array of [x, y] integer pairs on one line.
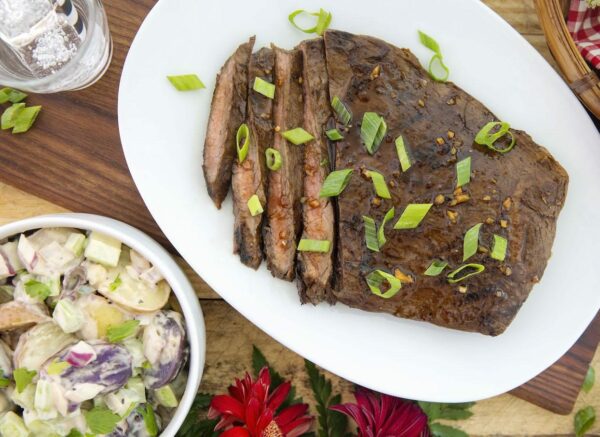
{"points": [[252, 415], [355, 412], [226, 405], [290, 413], [236, 431], [279, 395], [297, 427]]}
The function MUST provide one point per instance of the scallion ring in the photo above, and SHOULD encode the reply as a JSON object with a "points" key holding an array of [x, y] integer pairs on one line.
{"points": [[263, 87], [471, 241], [437, 61], [343, 114], [297, 136], [254, 205], [323, 21], [499, 248], [402, 154], [273, 158], [370, 233], [435, 268], [381, 240], [381, 187], [242, 142], [334, 135], [186, 82], [376, 278], [335, 182], [485, 138], [476, 269], [321, 246], [412, 216], [463, 172], [372, 131]]}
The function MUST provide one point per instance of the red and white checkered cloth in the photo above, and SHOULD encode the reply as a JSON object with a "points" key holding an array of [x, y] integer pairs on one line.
{"points": [[584, 25]]}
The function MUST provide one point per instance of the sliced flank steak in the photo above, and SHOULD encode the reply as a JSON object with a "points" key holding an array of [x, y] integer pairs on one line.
{"points": [[516, 195], [284, 209], [227, 112], [250, 176], [316, 269]]}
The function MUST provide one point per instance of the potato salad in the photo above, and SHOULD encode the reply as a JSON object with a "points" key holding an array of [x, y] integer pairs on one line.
{"points": [[91, 341]]}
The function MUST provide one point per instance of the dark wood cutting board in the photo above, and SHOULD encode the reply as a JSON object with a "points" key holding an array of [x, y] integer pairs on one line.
{"points": [[73, 158]]}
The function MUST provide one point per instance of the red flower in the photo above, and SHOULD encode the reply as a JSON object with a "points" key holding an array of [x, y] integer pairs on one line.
{"points": [[251, 411], [385, 416]]}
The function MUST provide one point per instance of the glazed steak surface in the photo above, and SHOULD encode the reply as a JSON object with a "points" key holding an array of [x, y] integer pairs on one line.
{"points": [[517, 195]]}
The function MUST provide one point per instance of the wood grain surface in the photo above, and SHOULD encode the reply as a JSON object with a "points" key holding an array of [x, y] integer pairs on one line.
{"points": [[73, 159]]}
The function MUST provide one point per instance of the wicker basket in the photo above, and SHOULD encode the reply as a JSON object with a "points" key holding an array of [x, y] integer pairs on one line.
{"points": [[577, 73]]}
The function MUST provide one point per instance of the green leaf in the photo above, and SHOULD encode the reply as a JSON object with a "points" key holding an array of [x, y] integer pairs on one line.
{"points": [[101, 420], [23, 378], [193, 425], [589, 380], [118, 333], [75, 433], [435, 410], [37, 290], [439, 430], [584, 420], [331, 423]]}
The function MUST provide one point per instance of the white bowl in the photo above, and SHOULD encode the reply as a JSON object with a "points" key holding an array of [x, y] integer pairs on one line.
{"points": [[160, 258]]}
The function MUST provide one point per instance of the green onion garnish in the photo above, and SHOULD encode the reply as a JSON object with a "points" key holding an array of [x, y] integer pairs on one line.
{"points": [[335, 183], [186, 82], [499, 248], [471, 242], [435, 268], [438, 61], [463, 172], [343, 114], [100, 420], [307, 245], [412, 216], [297, 136], [402, 154], [25, 119], [117, 333], [477, 269], [370, 233], [429, 42], [242, 142], [273, 158], [263, 87], [376, 278], [323, 21], [116, 283], [381, 240], [11, 95], [23, 378], [254, 205], [485, 138], [9, 116], [372, 131], [334, 135], [381, 187]]}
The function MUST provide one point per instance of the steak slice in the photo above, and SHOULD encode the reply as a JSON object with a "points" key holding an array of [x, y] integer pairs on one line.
{"points": [[249, 177], [316, 269], [284, 210], [517, 195], [227, 112]]}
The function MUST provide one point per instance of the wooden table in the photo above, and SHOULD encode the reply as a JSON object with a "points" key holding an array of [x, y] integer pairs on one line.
{"points": [[230, 336]]}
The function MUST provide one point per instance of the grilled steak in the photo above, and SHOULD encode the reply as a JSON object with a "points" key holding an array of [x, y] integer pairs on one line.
{"points": [[249, 177], [315, 269], [227, 112], [284, 210], [517, 195]]}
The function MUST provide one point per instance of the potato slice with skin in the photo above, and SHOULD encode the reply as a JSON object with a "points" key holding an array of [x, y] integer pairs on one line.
{"points": [[15, 314], [134, 294], [40, 343], [100, 314]]}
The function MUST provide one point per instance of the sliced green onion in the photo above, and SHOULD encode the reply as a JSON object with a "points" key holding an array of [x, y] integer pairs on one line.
{"points": [[307, 245], [381, 187], [57, 367], [412, 216], [485, 138], [323, 21], [499, 248], [118, 333], [23, 378], [101, 420], [116, 283], [334, 135], [297, 136], [273, 158], [381, 231], [477, 269], [463, 172], [263, 87], [335, 183], [471, 242], [343, 114], [11, 95], [372, 131], [370, 233], [186, 82], [377, 277], [254, 205], [437, 61], [25, 119], [242, 142], [435, 268], [9, 116], [429, 42], [402, 154]]}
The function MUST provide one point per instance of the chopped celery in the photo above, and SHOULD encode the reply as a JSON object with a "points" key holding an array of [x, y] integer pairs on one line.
{"points": [[166, 397], [12, 425]]}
